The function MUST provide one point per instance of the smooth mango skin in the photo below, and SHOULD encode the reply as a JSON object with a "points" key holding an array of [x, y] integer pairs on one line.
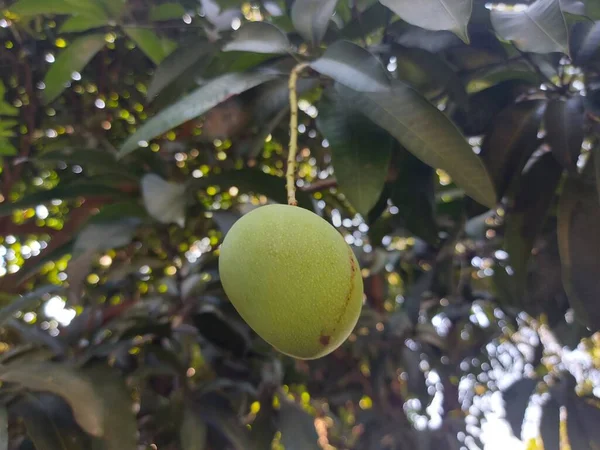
{"points": [[293, 278]]}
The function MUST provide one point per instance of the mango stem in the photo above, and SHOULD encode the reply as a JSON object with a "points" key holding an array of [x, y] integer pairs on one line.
{"points": [[293, 147]]}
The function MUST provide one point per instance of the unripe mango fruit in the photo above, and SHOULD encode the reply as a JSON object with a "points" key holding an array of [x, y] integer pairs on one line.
{"points": [[293, 278]]}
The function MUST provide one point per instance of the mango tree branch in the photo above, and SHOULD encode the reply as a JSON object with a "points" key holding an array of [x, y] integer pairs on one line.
{"points": [[293, 147]]}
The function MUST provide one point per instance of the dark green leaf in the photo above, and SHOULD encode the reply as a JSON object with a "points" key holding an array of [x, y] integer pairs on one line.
{"points": [[26, 302], [550, 425], [195, 104], [62, 192], [410, 118], [49, 423], [360, 152], [579, 242], [513, 139], [516, 71], [184, 57], [426, 71], [88, 158], [258, 37], [193, 431], [311, 18], [582, 423], [437, 15], [516, 399], [256, 181], [352, 66], [524, 221], [564, 129], [375, 17], [73, 59], [540, 28], [35, 335], [297, 427], [413, 193], [214, 410], [120, 432], [76, 24], [119, 210], [411, 361], [585, 42], [153, 46], [269, 99], [66, 382], [3, 428], [166, 11]]}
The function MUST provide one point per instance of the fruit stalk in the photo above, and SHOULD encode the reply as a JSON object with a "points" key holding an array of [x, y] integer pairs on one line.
{"points": [[293, 147]]}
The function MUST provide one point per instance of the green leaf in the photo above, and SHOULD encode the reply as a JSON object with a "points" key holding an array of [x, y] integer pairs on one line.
{"points": [[582, 423], [297, 427], [154, 47], [483, 107], [5, 108], [360, 152], [64, 381], [117, 408], [584, 42], [39, 7], [166, 11], [311, 18], [579, 243], [26, 302], [550, 425], [413, 193], [526, 217], [62, 192], [96, 160], [410, 118], [217, 413], [564, 129], [513, 71], [193, 431], [516, 399], [375, 17], [85, 7], [436, 15], [178, 62], [426, 71], [115, 8], [195, 104], [3, 428], [76, 24], [6, 148], [164, 201], [49, 423], [540, 28], [258, 37], [255, 181], [106, 236], [352, 66], [73, 59], [513, 139]]}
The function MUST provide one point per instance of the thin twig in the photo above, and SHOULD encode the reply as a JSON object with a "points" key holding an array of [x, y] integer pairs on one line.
{"points": [[293, 147]]}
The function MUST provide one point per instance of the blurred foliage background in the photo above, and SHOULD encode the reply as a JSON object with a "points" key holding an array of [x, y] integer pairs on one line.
{"points": [[453, 143]]}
